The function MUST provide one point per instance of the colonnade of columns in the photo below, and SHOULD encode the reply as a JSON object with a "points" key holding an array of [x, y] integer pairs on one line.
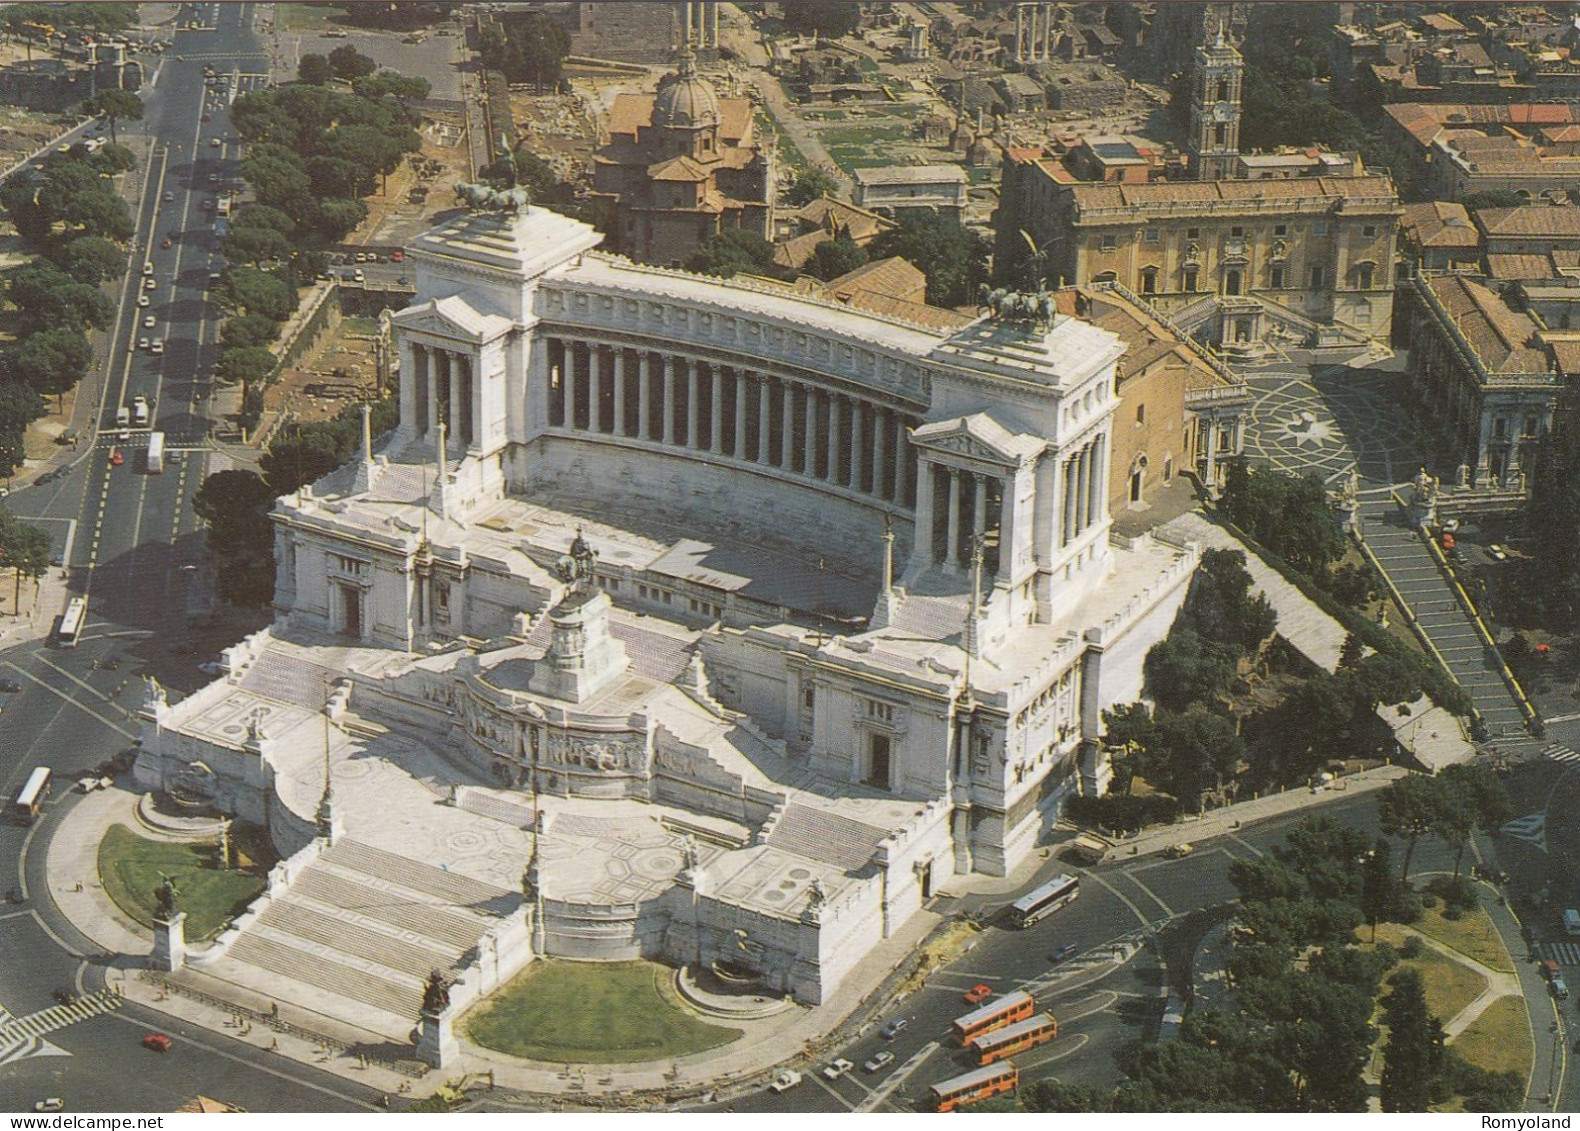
{"points": [[442, 389], [964, 505], [731, 412], [1084, 487], [700, 22], [1033, 32]]}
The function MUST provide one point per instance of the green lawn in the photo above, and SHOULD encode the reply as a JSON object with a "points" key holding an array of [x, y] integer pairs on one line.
{"points": [[305, 17], [1500, 1039], [591, 1013], [1450, 984], [1474, 936], [130, 867]]}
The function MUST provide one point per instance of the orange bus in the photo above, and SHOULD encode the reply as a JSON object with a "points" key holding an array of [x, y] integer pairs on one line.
{"points": [[1011, 1039], [974, 1086], [1007, 1010]]}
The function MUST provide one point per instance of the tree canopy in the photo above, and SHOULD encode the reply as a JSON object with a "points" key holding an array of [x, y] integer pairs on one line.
{"points": [[953, 257], [314, 70], [732, 251], [117, 106], [527, 47], [348, 63], [235, 505]]}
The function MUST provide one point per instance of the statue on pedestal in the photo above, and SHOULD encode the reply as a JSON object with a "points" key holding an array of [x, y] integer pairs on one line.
{"points": [[1463, 475], [436, 993], [576, 569], [165, 898]]}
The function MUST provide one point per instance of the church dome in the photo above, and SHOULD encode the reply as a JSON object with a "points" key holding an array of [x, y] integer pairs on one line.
{"points": [[685, 100]]}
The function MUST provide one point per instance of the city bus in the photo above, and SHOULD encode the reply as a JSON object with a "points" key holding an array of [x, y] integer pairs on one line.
{"points": [[974, 1086], [32, 795], [71, 622], [1011, 1039], [1012, 1007], [1045, 900], [156, 453]]}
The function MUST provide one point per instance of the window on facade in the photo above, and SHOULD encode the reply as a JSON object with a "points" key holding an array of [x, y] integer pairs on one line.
{"points": [[1220, 92], [883, 712], [1141, 414], [1530, 428], [1322, 227], [1280, 229], [349, 565], [441, 600], [1106, 243], [1369, 231], [1192, 276], [1232, 282], [808, 697], [1363, 276], [1106, 277], [1500, 428], [1220, 135], [1152, 235], [1149, 281], [1193, 233], [1275, 277], [1319, 277], [1237, 231]]}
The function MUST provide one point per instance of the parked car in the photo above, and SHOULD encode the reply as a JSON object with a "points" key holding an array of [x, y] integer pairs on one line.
{"points": [[116, 458], [978, 993], [879, 1062], [1068, 950], [169, 197], [157, 346], [837, 1068], [786, 1080], [158, 1042], [1178, 851], [893, 1028], [10, 686], [54, 1103]]}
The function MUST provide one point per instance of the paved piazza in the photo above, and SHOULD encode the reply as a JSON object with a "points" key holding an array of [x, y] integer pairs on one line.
{"points": [[1333, 418]]}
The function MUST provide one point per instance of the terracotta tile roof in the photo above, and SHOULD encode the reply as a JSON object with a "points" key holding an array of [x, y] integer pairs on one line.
{"points": [[894, 276], [796, 250], [1566, 355], [1501, 337], [1439, 223], [1530, 220], [1532, 267], [677, 169], [1211, 192]]}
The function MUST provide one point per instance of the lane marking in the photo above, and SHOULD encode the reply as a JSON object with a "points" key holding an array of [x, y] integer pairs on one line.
{"points": [[1145, 922], [83, 707]]}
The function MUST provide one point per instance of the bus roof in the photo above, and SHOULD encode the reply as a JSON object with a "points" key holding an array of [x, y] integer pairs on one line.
{"points": [[993, 1008], [1044, 890], [1012, 1032], [35, 784], [974, 1077]]}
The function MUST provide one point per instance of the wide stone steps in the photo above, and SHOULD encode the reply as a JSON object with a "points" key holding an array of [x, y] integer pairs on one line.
{"points": [[327, 928], [451, 929], [414, 876], [834, 839], [323, 972]]}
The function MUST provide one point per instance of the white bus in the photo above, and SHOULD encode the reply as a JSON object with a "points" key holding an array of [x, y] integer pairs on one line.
{"points": [[32, 795], [156, 453], [71, 622], [1045, 900]]}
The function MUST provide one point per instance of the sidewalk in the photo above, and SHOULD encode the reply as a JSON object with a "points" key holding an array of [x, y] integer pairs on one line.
{"points": [[1217, 822]]}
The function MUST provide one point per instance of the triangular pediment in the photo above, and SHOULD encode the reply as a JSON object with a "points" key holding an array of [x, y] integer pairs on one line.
{"points": [[451, 317], [977, 437]]}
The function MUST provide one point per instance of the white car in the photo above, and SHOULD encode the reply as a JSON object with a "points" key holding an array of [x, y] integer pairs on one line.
{"points": [[148, 268], [54, 1103], [156, 346], [785, 1081], [148, 322], [142, 300], [150, 284], [142, 343], [837, 1068]]}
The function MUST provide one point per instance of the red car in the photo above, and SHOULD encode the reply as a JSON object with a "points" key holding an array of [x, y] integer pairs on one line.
{"points": [[116, 458], [978, 993], [166, 242], [157, 1041]]}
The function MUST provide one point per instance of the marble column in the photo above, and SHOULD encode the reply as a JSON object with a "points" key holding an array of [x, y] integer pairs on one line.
{"points": [[1006, 529], [901, 460], [740, 412], [693, 433], [422, 390], [667, 363], [922, 543], [879, 431], [838, 437], [1094, 504], [466, 394], [979, 505], [809, 433], [952, 542], [764, 453], [1068, 487], [787, 426], [716, 409], [568, 381], [619, 390], [1083, 475], [644, 395], [858, 448]]}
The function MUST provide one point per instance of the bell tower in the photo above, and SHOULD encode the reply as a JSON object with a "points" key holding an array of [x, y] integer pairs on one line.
{"points": [[1215, 110]]}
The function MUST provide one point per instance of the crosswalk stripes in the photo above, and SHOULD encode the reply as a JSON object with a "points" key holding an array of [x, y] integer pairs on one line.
{"points": [[59, 1017], [1532, 830], [1557, 753], [1563, 953]]}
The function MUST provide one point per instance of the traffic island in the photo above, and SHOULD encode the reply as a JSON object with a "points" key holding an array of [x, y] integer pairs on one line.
{"points": [[592, 1013]]}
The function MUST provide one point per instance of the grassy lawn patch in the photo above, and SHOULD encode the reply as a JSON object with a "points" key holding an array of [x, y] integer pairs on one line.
{"points": [[1500, 1039], [131, 866], [592, 1013], [1474, 935], [305, 17], [1450, 984]]}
